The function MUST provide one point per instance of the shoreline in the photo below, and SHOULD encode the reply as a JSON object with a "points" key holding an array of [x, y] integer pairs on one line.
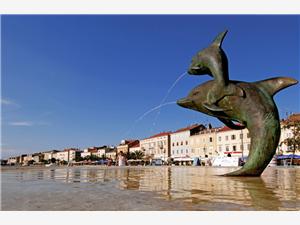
{"points": [[20, 168]]}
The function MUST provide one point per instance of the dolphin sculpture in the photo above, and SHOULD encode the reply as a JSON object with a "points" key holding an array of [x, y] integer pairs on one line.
{"points": [[249, 104]]}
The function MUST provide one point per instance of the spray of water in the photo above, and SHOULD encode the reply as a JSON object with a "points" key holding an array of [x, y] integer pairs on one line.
{"points": [[166, 96], [145, 114]]}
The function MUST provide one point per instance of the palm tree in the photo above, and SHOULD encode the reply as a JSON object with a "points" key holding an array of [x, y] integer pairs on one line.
{"points": [[139, 154]]}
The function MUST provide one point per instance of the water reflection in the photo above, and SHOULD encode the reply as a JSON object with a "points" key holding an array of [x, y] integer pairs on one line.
{"points": [[276, 189]]}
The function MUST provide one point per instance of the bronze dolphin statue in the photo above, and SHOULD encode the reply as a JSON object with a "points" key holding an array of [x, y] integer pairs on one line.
{"points": [[250, 104]]}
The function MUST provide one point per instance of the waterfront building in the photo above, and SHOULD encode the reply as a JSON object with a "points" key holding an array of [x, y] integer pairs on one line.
{"points": [[125, 145], [21, 159], [27, 159], [135, 148], [48, 155], [204, 143], [180, 141], [111, 153], [68, 155], [233, 142], [88, 152], [157, 146], [38, 157], [100, 151], [13, 160], [283, 149]]}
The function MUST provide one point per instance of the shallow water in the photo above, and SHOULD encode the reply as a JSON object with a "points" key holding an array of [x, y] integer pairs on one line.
{"points": [[148, 188]]}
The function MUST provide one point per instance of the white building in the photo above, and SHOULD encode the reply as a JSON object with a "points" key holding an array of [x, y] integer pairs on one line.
{"points": [[233, 142], [157, 146], [12, 160], [180, 145], [204, 143], [50, 154], [288, 133], [86, 152], [68, 155]]}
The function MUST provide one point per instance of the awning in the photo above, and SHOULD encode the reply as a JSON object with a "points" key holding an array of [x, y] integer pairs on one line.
{"points": [[288, 156], [183, 159]]}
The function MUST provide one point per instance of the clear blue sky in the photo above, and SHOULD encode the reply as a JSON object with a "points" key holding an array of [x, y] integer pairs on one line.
{"points": [[80, 81]]}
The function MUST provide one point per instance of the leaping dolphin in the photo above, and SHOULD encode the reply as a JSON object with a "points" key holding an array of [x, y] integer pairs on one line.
{"points": [[254, 110]]}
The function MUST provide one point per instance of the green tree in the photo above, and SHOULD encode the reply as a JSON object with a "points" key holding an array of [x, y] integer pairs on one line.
{"points": [[135, 155], [139, 154], [294, 141], [78, 159]]}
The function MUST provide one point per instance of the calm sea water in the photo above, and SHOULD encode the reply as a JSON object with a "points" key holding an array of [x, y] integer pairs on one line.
{"points": [[148, 188]]}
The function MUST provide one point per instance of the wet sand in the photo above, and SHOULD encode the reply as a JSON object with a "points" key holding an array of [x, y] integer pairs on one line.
{"points": [[97, 188]]}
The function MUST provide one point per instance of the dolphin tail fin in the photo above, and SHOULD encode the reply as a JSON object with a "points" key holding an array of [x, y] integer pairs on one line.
{"points": [[273, 85]]}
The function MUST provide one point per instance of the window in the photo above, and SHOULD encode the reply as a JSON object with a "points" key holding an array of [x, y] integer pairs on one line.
{"points": [[177, 151], [220, 148], [173, 144], [193, 151], [177, 143], [182, 143], [226, 138], [227, 148], [186, 151], [241, 136], [220, 139], [248, 146], [233, 137], [210, 139], [186, 142], [234, 148], [242, 147], [181, 151], [248, 135]]}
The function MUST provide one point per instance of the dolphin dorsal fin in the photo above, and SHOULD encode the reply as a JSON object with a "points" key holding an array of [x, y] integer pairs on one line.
{"points": [[219, 39], [273, 85]]}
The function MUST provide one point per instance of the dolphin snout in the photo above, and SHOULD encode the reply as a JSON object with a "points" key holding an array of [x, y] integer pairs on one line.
{"points": [[185, 102], [193, 70]]}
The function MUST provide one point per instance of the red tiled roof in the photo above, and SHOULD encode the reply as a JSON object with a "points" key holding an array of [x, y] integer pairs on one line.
{"points": [[70, 149], [186, 128], [225, 129], [94, 150], [292, 118], [160, 134], [129, 141], [136, 145]]}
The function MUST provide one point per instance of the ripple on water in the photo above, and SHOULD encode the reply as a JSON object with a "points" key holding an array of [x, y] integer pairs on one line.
{"points": [[165, 188]]}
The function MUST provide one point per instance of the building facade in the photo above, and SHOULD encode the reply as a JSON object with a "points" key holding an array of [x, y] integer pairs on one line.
{"points": [[157, 146], [111, 153], [125, 145], [180, 141], [68, 155], [283, 148], [233, 142], [48, 155], [135, 147], [204, 143]]}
